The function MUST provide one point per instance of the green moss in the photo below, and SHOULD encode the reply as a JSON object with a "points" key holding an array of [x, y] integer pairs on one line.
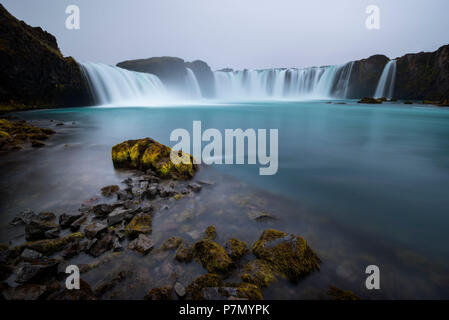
{"points": [[249, 291], [259, 272], [17, 133], [140, 224], [236, 249], [194, 290], [147, 154], [210, 233], [171, 243], [339, 294], [286, 254], [50, 246], [212, 256]]}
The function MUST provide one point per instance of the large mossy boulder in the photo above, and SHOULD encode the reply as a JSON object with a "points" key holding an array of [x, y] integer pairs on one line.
{"points": [[212, 256], [287, 254], [145, 154]]}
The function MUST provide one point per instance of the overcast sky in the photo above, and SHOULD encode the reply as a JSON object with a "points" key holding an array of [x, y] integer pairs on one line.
{"points": [[240, 33]]}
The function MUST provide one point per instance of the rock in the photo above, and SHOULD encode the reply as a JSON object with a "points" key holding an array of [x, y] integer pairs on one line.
{"points": [[171, 243], [101, 246], [109, 191], [184, 253], [31, 291], [36, 229], [236, 249], [339, 294], [104, 287], [194, 291], [212, 256], [46, 216], [287, 254], [102, 209], [180, 290], [147, 154], [242, 291], [195, 187], [65, 220], [94, 230], [259, 272], [408, 102], [166, 191], [116, 246], [50, 246], [71, 250], [210, 233], [142, 244], [75, 226], [118, 215], [28, 254], [249, 291], [37, 144], [140, 224], [163, 293], [260, 216], [25, 217], [84, 293], [371, 100], [52, 233], [26, 271]]}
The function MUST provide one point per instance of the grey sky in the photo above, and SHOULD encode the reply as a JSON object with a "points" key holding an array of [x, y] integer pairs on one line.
{"points": [[240, 33]]}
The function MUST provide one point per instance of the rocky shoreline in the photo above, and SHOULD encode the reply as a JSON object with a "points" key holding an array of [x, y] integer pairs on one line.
{"points": [[121, 221]]}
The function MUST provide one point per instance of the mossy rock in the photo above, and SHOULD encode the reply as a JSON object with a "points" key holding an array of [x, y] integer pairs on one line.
{"points": [[259, 272], [287, 254], [163, 293], [184, 253], [339, 294], [212, 256], [140, 224], [210, 233], [171, 243], [249, 291], [145, 154], [236, 249], [50, 246], [194, 291]]}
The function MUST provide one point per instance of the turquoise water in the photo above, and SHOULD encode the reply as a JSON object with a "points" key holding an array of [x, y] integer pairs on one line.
{"points": [[381, 172]]}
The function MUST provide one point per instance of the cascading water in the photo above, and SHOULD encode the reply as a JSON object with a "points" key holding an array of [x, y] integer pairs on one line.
{"points": [[315, 82], [113, 85], [385, 86], [116, 86]]}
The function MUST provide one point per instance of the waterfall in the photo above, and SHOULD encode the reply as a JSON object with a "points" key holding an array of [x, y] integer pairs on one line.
{"points": [[314, 82], [193, 87], [385, 86], [114, 85]]}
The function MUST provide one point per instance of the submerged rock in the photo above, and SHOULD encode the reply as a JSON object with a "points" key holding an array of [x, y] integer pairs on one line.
{"points": [[101, 246], [109, 191], [65, 220], [369, 100], [140, 224], [142, 244], [210, 233], [50, 246], [147, 154], [27, 271], [171, 243], [37, 229], [184, 253], [339, 294], [25, 217], [260, 216], [286, 254], [163, 293], [194, 291], [259, 272], [236, 249], [212, 256], [31, 291]]}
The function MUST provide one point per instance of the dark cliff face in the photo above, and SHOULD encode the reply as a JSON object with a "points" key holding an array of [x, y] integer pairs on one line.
{"points": [[423, 75], [172, 72], [365, 76], [33, 71]]}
